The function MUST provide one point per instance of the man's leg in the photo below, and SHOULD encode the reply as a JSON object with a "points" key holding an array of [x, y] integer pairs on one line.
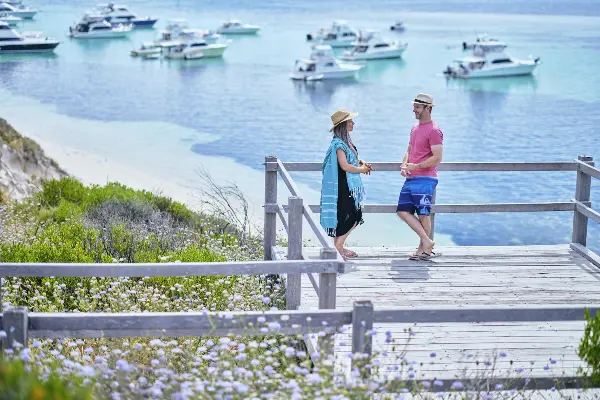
{"points": [[405, 209], [415, 225]]}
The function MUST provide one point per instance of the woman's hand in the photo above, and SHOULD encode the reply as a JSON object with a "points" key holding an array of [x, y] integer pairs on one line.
{"points": [[364, 169]]}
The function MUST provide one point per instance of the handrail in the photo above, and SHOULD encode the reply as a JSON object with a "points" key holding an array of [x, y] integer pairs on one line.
{"points": [[458, 166], [589, 169]]}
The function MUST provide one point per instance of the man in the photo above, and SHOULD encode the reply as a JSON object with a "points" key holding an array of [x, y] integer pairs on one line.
{"points": [[419, 167]]}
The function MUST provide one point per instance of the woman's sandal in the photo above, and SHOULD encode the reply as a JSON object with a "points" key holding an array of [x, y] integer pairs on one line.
{"points": [[350, 253], [414, 256]]}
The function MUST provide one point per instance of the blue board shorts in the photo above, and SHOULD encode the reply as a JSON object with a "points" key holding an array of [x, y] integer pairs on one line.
{"points": [[416, 195]]}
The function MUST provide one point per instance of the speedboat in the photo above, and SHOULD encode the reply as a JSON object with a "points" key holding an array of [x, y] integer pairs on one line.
{"points": [[338, 35], [9, 19], [120, 14], [323, 65], [488, 64], [96, 27], [12, 41], [398, 27], [371, 46], [485, 42], [193, 49], [18, 10], [146, 49], [178, 28], [234, 26]]}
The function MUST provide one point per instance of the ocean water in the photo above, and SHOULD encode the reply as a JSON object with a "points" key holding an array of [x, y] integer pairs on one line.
{"points": [[244, 106]]}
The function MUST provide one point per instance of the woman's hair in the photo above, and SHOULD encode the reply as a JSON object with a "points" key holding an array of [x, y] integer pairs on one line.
{"points": [[341, 131]]}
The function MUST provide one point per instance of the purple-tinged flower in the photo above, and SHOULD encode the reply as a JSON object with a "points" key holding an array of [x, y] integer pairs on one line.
{"points": [[553, 389], [426, 384], [438, 383], [457, 385], [499, 386], [502, 354], [546, 367], [432, 355], [552, 361]]}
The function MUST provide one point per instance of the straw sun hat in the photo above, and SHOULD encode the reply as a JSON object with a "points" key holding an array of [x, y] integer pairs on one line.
{"points": [[341, 115], [423, 98]]}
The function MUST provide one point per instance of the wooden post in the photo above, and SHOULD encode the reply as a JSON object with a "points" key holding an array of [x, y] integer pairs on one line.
{"points": [[270, 233], [327, 295], [433, 215], [327, 282], [15, 323], [582, 193], [362, 343], [294, 281]]}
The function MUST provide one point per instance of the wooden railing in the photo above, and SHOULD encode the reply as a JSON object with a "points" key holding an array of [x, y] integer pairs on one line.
{"points": [[580, 205], [19, 325]]}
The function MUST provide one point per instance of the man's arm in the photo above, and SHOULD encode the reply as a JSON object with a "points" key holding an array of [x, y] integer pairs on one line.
{"points": [[435, 159]]}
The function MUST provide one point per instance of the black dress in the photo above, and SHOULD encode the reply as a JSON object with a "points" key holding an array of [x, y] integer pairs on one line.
{"points": [[348, 214]]}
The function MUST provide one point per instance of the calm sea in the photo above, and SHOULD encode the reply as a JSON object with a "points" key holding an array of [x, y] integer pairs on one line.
{"points": [[244, 106]]}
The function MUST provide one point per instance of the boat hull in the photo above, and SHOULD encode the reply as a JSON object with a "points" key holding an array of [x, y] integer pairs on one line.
{"points": [[325, 75], [397, 53], [212, 52], [238, 31], [11, 22], [45, 47], [337, 43], [520, 70], [136, 23], [24, 14]]}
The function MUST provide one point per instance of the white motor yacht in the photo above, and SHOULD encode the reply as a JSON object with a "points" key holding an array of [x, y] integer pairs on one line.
{"points": [[9, 19], [323, 65], [12, 41], [234, 26], [193, 49], [120, 14], [178, 28], [17, 10], [96, 27], [372, 46], [485, 42], [488, 64], [338, 35]]}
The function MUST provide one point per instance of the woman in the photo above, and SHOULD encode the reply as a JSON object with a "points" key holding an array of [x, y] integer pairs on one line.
{"points": [[342, 190]]}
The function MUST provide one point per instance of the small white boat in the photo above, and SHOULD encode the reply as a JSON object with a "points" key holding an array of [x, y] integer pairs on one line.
{"points": [[96, 27], [193, 49], [371, 46], [178, 28], [323, 65], [398, 27], [489, 64], [18, 10], [146, 49], [12, 41], [9, 19], [338, 35], [485, 42], [235, 26], [120, 14]]}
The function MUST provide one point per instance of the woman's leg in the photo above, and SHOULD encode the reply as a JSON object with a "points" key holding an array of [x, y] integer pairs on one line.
{"points": [[339, 241]]}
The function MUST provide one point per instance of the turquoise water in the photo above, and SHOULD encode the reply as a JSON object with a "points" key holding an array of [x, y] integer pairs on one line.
{"points": [[244, 106]]}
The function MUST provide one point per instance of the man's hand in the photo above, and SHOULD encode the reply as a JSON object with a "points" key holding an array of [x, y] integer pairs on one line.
{"points": [[404, 170], [411, 166]]}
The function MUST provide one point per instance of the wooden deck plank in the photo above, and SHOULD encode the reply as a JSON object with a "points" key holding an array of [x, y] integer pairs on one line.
{"points": [[469, 276]]}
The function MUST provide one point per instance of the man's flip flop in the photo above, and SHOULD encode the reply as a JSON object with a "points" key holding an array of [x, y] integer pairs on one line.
{"points": [[429, 256]]}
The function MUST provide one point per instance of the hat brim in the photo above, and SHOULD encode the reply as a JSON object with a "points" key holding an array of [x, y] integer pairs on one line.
{"points": [[349, 117], [425, 104]]}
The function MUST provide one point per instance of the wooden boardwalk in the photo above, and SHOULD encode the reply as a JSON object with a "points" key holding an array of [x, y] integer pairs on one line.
{"points": [[467, 277]]}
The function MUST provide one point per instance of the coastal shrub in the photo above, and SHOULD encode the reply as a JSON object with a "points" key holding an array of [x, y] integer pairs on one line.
{"points": [[18, 381], [589, 347], [55, 190]]}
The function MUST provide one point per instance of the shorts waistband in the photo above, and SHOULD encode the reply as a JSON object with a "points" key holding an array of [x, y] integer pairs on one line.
{"points": [[422, 178]]}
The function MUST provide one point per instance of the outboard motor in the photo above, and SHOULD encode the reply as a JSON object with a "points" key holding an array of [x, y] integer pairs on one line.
{"points": [[309, 37], [536, 60], [464, 45]]}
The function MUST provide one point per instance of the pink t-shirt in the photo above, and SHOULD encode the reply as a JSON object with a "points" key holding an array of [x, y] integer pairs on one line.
{"points": [[422, 137]]}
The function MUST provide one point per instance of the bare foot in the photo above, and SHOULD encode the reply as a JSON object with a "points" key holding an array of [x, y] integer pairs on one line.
{"points": [[349, 253]]}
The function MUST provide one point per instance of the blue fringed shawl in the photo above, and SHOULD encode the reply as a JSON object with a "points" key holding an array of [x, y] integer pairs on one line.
{"points": [[329, 185]]}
